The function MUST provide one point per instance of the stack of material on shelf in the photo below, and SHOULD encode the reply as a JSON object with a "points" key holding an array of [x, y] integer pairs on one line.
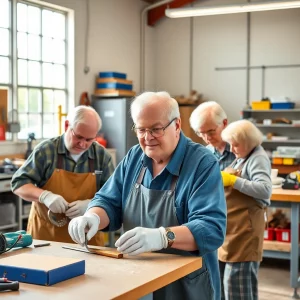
{"points": [[281, 103], [279, 226], [113, 84], [273, 103], [285, 155], [262, 104]]}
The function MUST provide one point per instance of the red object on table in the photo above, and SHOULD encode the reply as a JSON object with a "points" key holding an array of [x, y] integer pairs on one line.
{"points": [[2, 132], [102, 141]]}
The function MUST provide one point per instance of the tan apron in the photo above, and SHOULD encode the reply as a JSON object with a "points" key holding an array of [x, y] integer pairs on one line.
{"points": [[71, 186], [245, 226]]}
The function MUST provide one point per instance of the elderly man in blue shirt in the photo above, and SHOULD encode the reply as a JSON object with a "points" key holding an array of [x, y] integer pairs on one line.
{"points": [[167, 193]]}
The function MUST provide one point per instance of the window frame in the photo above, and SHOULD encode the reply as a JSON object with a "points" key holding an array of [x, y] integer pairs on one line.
{"points": [[68, 64]]}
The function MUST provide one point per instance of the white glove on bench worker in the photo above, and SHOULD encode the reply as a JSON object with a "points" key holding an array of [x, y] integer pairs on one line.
{"points": [[77, 208], [141, 239], [89, 223], [54, 202]]}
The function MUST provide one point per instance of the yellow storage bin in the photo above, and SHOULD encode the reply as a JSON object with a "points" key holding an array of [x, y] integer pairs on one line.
{"points": [[256, 105], [288, 161], [277, 160]]}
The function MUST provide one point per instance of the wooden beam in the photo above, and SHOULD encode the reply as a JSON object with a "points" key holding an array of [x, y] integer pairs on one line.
{"points": [[159, 12]]}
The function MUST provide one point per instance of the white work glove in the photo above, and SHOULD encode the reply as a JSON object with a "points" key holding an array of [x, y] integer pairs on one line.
{"points": [[54, 202], [77, 208], [87, 224], [140, 240]]}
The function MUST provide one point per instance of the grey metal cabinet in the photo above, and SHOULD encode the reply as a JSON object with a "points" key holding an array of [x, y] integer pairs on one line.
{"points": [[116, 123]]}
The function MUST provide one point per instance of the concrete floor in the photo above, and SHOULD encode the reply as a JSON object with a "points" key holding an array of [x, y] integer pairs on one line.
{"points": [[274, 280]]}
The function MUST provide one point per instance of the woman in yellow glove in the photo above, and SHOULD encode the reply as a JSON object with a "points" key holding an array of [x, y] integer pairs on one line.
{"points": [[248, 189]]}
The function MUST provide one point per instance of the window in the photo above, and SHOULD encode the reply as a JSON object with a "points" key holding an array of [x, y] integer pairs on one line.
{"points": [[40, 64], [5, 42]]}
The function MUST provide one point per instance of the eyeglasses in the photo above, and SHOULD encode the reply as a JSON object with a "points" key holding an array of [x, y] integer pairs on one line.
{"points": [[155, 132], [209, 133], [81, 138]]}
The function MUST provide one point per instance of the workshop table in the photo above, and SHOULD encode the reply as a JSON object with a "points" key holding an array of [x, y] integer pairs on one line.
{"points": [[288, 199], [131, 277]]}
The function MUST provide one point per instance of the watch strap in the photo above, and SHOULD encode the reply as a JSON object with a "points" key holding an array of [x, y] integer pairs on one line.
{"points": [[170, 241]]}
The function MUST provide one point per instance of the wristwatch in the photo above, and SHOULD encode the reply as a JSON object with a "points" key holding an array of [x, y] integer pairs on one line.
{"points": [[170, 237]]}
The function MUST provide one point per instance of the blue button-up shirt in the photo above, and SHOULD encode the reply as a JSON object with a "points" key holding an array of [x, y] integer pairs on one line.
{"points": [[199, 196], [225, 159]]}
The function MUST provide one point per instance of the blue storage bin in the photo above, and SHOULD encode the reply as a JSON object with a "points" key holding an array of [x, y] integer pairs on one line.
{"points": [[114, 85], [283, 105], [112, 74]]}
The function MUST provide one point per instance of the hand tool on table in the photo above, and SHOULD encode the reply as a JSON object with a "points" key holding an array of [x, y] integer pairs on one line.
{"points": [[87, 249], [7, 285], [14, 240]]}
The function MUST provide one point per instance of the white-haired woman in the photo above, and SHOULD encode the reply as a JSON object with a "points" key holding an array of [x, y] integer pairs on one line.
{"points": [[248, 189]]}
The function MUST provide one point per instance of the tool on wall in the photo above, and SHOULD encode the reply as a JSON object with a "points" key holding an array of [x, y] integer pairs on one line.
{"points": [[84, 99], [31, 137], [60, 115], [18, 239], [13, 124]]}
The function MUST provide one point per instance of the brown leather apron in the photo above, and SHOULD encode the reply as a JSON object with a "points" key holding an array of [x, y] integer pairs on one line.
{"points": [[71, 186], [245, 226]]}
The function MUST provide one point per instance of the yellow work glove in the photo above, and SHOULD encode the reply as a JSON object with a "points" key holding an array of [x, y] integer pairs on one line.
{"points": [[228, 179]]}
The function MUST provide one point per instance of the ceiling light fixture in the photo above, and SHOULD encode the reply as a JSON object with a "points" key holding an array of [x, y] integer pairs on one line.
{"points": [[230, 9]]}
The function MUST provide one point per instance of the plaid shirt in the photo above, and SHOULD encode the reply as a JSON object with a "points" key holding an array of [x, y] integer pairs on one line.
{"points": [[225, 159], [42, 162]]}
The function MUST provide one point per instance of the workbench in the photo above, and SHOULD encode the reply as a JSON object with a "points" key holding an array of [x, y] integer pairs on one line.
{"points": [[131, 277], [287, 199]]}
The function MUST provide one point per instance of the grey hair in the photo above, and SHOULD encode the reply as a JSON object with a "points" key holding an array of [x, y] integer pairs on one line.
{"points": [[146, 98], [207, 110], [242, 132], [82, 115]]}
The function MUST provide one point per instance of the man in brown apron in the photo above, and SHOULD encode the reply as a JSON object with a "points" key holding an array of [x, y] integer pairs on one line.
{"points": [[63, 174], [248, 188], [168, 194]]}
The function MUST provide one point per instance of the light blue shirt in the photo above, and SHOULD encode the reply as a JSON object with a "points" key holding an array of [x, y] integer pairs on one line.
{"points": [[225, 159], [199, 196]]}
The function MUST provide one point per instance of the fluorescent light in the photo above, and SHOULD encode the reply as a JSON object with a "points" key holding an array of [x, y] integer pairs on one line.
{"points": [[230, 9]]}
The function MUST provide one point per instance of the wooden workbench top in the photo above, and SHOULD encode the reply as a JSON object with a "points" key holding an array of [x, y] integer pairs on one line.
{"points": [[285, 195], [107, 278]]}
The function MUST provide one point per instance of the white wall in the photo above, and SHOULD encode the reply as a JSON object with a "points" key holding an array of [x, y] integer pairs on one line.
{"points": [[221, 41], [114, 40]]}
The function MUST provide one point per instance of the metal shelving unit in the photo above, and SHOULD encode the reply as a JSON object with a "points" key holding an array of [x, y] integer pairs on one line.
{"points": [[278, 125], [9, 226], [283, 142], [271, 110], [8, 197], [290, 130]]}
